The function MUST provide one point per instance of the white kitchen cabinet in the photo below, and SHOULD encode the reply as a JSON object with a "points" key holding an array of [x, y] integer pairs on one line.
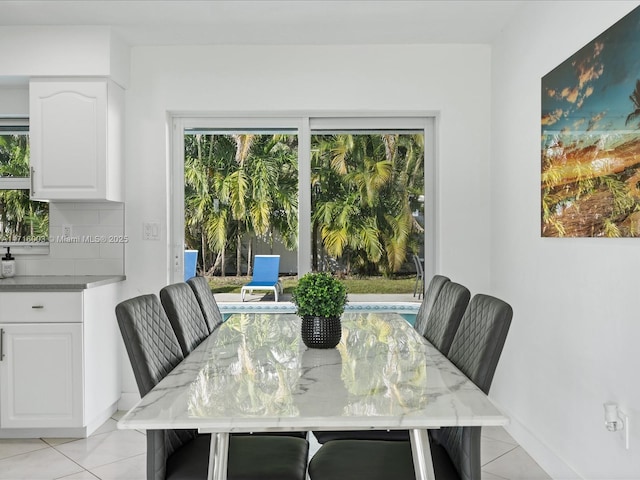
{"points": [[41, 375], [60, 365], [76, 130]]}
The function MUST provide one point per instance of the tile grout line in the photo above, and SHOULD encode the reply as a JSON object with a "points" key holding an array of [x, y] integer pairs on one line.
{"points": [[43, 447], [494, 475], [71, 459], [85, 469], [500, 456]]}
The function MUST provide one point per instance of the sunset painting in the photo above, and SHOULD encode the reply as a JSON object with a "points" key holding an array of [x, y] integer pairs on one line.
{"points": [[590, 144]]}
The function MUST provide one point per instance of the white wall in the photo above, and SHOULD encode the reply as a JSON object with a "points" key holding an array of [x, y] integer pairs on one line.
{"points": [[453, 80], [573, 343], [63, 51], [14, 101]]}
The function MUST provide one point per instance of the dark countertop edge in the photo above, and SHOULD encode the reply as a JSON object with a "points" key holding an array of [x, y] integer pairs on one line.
{"points": [[54, 283]]}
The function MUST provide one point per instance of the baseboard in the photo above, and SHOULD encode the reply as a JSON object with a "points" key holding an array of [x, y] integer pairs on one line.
{"points": [[80, 432], [100, 419], [550, 462], [61, 432]]}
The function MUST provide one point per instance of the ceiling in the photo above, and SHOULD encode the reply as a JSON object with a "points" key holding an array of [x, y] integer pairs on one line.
{"points": [[274, 22]]}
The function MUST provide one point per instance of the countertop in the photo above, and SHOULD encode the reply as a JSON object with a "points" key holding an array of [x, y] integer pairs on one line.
{"points": [[56, 283]]}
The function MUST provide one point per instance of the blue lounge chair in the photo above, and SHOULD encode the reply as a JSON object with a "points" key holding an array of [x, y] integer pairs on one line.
{"points": [[265, 275]]}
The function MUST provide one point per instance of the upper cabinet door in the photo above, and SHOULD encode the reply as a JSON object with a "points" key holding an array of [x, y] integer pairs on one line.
{"points": [[76, 139]]}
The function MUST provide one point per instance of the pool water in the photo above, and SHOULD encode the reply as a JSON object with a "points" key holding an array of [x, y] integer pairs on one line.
{"points": [[407, 310], [409, 317]]}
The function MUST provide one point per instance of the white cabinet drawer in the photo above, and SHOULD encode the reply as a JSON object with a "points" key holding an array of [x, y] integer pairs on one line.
{"points": [[41, 307]]}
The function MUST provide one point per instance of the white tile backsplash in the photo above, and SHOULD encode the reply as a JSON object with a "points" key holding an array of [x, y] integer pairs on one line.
{"points": [[43, 265], [74, 216], [96, 246], [101, 266], [111, 216]]}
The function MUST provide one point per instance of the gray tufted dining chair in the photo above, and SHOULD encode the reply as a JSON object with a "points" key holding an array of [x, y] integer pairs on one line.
{"points": [[444, 319], [154, 351], [446, 314], [455, 451], [207, 302], [185, 315], [430, 295]]}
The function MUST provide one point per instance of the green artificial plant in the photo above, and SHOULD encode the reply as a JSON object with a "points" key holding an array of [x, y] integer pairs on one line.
{"points": [[319, 294]]}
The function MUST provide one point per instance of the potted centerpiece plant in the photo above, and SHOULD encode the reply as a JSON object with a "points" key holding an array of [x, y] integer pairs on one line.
{"points": [[320, 299]]}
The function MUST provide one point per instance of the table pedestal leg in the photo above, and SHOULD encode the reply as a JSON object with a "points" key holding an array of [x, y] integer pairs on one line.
{"points": [[218, 456], [422, 461]]}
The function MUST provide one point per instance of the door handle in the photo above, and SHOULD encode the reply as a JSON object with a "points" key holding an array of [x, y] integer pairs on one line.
{"points": [[1, 343], [33, 173]]}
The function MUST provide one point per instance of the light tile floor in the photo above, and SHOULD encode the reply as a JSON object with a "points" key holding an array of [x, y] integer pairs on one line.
{"points": [[111, 454]]}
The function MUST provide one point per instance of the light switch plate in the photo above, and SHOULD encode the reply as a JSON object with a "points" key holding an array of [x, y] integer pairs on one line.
{"points": [[151, 231]]}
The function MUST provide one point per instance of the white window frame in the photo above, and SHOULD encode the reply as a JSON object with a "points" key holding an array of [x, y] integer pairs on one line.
{"points": [[305, 124], [20, 183]]}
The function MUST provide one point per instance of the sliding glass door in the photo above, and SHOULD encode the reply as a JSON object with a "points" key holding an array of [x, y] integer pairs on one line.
{"points": [[350, 195]]}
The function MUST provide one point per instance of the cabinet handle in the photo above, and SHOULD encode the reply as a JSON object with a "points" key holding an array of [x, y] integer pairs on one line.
{"points": [[33, 172], [37, 306], [1, 343]]}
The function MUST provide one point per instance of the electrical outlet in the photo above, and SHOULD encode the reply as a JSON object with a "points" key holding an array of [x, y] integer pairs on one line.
{"points": [[67, 231]]}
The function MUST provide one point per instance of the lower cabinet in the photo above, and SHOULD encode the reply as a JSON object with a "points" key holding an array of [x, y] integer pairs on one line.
{"points": [[41, 375], [60, 362]]}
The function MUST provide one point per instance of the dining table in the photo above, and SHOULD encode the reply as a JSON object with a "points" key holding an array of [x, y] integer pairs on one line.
{"points": [[255, 374]]}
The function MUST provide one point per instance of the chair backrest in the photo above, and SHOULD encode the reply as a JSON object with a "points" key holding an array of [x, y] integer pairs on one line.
{"points": [[184, 313], [153, 351], [418, 264], [475, 350], [477, 345], [446, 314], [430, 296], [266, 268], [207, 302], [149, 339]]}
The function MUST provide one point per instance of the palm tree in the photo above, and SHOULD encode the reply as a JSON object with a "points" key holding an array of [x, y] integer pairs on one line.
{"points": [[207, 214], [401, 196], [635, 98], [272, 200], [237, 187], [19, 216], [362, 190]]}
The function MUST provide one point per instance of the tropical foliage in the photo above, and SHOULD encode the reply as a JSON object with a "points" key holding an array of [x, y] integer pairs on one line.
{"points": [[238, 188], [365, 192], [20, 218], [365, 189]]}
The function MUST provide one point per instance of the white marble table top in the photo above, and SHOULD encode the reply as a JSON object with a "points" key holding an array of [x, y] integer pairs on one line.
{"points": [[254, 373]]}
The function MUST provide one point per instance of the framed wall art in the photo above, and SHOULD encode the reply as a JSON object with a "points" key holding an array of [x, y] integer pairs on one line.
{"points": [[590, 143]]}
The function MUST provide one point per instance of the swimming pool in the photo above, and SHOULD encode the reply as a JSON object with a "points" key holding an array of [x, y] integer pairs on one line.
{"points": [[407, 310]]}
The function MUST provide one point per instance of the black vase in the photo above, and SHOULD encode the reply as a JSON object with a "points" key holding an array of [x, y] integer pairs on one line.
{"points": [[321, 332]]}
